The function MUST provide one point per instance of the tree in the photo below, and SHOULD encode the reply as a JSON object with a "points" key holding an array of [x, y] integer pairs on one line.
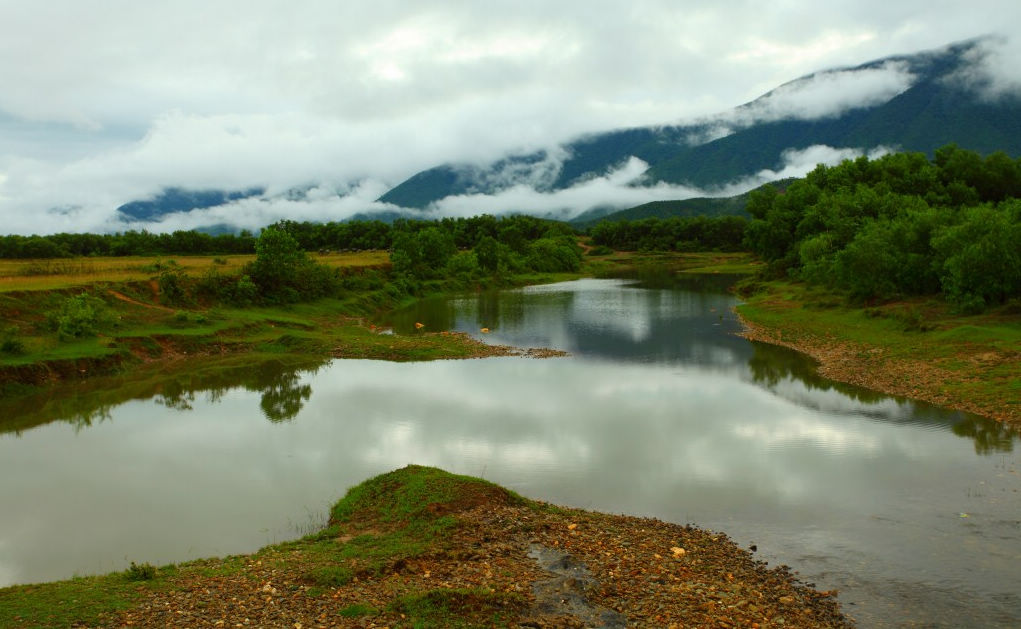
{"points": [[284, 273]]}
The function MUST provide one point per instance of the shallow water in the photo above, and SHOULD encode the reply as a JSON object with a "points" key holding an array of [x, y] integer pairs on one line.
{"points": [[912, 512]]}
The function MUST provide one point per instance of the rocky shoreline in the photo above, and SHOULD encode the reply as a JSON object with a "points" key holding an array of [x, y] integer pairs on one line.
{"points": [[503, 562], [869, 367]]}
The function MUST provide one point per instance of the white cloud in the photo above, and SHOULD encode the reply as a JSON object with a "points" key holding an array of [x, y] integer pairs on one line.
{"points": [[108, 102], [828, 94], [798, 163], [614, 190], [319, 204], [995, 72]]}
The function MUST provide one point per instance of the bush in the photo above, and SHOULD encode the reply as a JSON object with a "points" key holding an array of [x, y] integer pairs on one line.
{"points": [[550, 255], [14, 347], [172, 281], [143, 572], [283, 273], [159, 266], [245, 291], [464, 265], [79, 316]]}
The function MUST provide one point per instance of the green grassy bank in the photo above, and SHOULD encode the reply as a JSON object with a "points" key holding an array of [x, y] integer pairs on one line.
{"points": [[918, 348], [101, 326]]}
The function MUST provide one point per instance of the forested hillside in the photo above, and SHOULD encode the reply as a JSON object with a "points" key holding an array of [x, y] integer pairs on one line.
{"points": [[899, 225], [937, 108]]}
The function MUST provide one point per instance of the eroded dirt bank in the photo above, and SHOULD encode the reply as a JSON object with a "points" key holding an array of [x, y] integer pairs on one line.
{"points": [[870, 367]]}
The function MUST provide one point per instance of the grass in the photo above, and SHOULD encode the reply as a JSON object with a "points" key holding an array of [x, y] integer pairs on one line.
{"points": [[455, 608], [75, 602], [409, 493], [704, 262], [60, 274], [407, 512], [978, 355]]}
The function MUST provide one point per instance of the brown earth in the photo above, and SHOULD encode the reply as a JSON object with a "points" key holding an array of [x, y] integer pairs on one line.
{"points": [[632, 572], [869, 367]]}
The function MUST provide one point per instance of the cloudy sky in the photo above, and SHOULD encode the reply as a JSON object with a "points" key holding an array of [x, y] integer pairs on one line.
{"points": [[108, 101]]}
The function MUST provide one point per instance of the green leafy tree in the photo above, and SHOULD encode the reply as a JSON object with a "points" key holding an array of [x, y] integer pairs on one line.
{"points": [[284, 273], [982, 260]]}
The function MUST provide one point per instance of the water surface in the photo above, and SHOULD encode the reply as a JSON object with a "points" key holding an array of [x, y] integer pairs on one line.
{"points": [[911, 511]]}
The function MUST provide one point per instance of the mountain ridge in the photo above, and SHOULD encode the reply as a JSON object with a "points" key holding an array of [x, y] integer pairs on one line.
{"points": [[920, 101], [935, 109]]}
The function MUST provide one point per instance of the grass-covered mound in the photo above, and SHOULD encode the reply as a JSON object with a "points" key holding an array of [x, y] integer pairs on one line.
{"points": [[420, 547]]}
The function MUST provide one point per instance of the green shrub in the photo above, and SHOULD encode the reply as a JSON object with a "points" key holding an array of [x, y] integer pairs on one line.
{"points": [[79, 316], [464, 265], [159, 266], [14, 347], [172, 283], [143, 572], [330, 576], [245, 291]]}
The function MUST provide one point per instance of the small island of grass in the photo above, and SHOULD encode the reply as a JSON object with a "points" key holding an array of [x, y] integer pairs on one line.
{"points": [[420, 547]]}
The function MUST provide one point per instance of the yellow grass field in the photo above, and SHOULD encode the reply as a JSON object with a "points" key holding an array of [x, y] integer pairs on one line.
{"points": [[55, 274]]}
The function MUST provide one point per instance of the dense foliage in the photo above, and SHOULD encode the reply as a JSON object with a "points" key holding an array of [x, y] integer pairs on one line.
{"points": [[899, 225], [467, 248], [309, 236], [444, 253], [698, 233], [130, 243]]}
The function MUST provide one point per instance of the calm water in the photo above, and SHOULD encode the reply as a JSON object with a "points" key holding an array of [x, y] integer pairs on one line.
{"points": [[912, 512]]}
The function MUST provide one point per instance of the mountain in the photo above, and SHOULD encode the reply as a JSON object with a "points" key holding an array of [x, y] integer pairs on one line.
{"points": [[181, 200], [914, 102], [683, 208], [922, 101]]}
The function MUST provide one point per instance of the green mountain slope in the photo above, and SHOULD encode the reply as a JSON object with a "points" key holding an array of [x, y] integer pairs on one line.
{"points": [[935, 110]]}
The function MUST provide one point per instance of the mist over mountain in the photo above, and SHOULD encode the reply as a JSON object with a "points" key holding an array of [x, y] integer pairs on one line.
{"points": [[915, 102], [911, 102]]}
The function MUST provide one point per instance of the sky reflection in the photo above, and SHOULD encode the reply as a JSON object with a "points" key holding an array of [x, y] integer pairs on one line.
{"points": [[687, 425]]}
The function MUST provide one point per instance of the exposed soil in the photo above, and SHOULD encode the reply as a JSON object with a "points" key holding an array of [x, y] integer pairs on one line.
{"points": [[596, 570], [870, 367], [122, 297]]}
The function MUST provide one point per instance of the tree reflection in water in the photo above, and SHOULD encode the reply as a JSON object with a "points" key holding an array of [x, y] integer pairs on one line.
{"points": [[771, 365], [282, 394]]}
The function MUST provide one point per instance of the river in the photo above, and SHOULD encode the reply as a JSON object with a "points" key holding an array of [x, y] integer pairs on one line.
{"points": [[912, 512]]}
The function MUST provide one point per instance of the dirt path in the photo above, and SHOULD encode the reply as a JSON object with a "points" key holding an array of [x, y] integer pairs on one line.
{"points": [[135, 302]]}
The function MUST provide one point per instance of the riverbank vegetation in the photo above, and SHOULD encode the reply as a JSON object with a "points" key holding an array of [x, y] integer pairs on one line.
{"points": [[919, 348], [70, 318], [899, 226], [94, 315], [419, 547], [902, 274]]}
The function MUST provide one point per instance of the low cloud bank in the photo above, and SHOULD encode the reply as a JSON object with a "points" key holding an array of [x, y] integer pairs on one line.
{"points": [[822, 95], [619, 189]]}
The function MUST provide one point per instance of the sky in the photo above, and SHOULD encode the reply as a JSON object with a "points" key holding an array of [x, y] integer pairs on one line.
{"points": [[108, 101]]}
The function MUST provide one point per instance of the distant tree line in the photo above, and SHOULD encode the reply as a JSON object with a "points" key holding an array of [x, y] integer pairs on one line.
{"points": [[450, 250], [130, 243], [696, 233], [484, 245], [899, 225], [512, 231]]}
